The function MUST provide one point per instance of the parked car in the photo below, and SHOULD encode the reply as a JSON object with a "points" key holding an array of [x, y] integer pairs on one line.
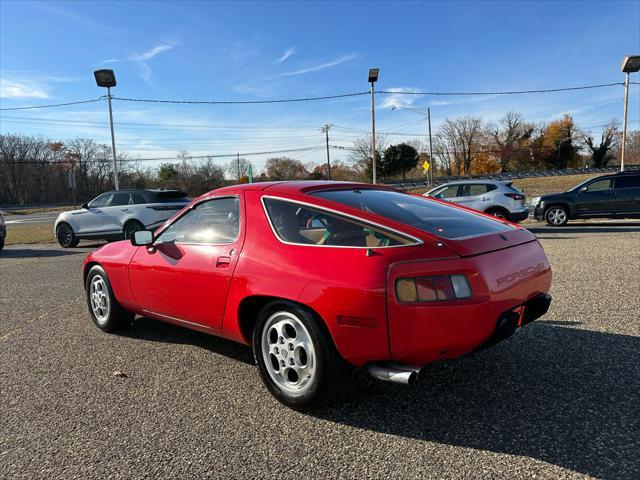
{"points": [[3, 231], [118, 214], [608, 196], [498, 198], [320, 277]]}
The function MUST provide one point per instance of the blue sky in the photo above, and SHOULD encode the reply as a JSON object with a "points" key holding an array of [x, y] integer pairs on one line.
{"points": [[263, 50]]}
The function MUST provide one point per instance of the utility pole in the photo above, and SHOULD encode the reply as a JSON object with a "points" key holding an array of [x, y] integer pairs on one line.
{"points": [[238, 165], [431, 163], [325, 129]]}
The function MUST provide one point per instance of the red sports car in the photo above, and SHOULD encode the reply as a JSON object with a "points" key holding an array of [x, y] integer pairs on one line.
{"points": [[322, 276]]}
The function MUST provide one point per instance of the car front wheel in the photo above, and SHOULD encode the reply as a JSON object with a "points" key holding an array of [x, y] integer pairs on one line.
{"points": [[106, 312], [66, 237], [556, 216], [296, 357]]}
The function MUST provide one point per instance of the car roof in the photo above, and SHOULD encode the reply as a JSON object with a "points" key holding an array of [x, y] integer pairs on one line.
{"points": [[292, 187]]}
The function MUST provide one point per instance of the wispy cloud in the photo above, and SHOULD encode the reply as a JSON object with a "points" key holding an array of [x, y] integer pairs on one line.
{"points": [[79, 19], [141, 58], [320, 66], [287, 53], [21, 89], [398, 99]]}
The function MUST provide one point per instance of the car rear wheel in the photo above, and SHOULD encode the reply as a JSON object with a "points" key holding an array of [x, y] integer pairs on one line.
{"points": [[556, 216], [498, 213], [131, 227], [106, 312], [66, 236], [296, 357]]}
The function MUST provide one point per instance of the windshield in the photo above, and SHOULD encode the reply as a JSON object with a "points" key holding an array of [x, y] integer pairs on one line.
{"points": [[419, 212]]}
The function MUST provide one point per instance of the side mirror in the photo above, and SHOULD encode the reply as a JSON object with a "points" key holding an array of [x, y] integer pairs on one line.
{"points": [[583, 189], [85, 206], [142, 238]]}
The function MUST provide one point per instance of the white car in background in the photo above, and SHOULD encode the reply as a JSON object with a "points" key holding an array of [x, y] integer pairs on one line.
{"points": [[497, 198], [118, 214]]}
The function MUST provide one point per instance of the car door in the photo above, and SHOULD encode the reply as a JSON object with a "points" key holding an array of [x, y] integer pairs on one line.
{"points": [[91, 220], [596, 199], [626, 189], [185, 276], [116, 211], [473, 195]]}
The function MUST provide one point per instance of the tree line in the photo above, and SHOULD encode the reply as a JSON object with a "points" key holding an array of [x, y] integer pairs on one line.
{"points": [[36, 170]]}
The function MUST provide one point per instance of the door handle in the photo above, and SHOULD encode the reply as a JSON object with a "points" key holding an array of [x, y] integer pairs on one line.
{"points": [[223, 262]]}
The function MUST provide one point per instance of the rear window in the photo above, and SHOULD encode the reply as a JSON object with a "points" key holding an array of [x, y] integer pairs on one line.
{"points": [[631, 181], [419, 212], [509, 186], [170, 196]]}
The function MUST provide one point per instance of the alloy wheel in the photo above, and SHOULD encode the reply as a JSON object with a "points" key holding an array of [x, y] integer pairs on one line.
{"points": [[65, 235], [288, 352], [99, 296], [557, 216]]}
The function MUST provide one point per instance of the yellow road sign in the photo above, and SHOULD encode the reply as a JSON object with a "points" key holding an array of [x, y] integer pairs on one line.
{"points": [[425, 166]]}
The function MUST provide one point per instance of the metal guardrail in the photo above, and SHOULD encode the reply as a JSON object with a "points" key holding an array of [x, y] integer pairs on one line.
{"points": [[422, 182]]}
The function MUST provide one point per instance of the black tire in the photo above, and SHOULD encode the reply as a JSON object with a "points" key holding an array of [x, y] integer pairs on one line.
{"points": [[130, 228], [556, 216], [66, 236], [331, 372], [115, 317], [1, 243], [498, 213]]}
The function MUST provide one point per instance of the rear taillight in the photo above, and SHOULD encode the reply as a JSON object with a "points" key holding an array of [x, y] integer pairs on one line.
{"points": [[439, 288], [515, 196]]}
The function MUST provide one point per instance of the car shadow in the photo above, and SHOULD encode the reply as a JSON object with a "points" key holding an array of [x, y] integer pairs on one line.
{"points": [[37, 252], [609, 227], [143, 328], [562, 395]]}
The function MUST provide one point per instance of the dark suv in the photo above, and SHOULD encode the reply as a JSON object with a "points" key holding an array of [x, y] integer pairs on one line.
{"points": [[610, 196]]}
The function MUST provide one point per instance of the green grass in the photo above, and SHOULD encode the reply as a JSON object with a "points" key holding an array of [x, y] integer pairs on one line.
{"points": [[29, 211]]}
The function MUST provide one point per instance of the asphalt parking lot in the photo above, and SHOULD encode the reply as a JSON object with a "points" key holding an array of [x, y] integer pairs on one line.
{"points": [[560, 399]]}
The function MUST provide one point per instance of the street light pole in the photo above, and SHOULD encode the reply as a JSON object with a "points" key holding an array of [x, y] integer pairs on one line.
{"points": [[629, 65], [373, 77], [106, 78], [430, 173], [113, 142]]}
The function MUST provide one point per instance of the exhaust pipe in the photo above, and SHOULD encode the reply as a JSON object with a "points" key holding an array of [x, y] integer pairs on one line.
{"points": [[394, 373]]}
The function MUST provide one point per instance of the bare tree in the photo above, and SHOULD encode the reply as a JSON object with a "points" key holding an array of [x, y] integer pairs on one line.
{"points": [[601, 154], [360, 155], [285, 168], [461, 139], [238, 168], [508, 138]]}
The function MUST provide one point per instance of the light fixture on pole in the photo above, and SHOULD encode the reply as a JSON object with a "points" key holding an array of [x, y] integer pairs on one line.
{"points": [[106, 78], [373, 78], [630, 64]]}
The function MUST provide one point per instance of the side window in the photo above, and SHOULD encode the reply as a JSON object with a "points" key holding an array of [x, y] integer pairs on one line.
{"points": [[214, 221], [100, 201], [119, 199], [305, 225], [137, 199], [631, 181], [450, 191], [472, 190], [599, 185]]}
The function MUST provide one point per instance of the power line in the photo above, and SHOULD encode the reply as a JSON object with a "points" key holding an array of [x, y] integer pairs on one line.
{"points": [[241, 102], [512, 92], [55, 104]]}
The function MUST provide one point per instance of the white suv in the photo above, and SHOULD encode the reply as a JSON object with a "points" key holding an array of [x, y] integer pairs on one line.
{"points": [[500, 199], [118, 214]]}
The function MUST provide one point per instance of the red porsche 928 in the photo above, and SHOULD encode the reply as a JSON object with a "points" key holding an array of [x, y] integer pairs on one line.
{"points": [[320, 277]]}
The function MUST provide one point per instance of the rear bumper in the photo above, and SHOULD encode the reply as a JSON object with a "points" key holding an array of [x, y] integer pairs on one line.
{"points": [[518, 216], [511, 320]]}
